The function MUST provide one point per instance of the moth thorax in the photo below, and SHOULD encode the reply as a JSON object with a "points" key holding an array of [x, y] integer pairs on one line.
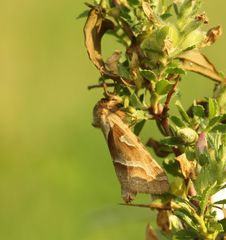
{"points": [[98, 114]]}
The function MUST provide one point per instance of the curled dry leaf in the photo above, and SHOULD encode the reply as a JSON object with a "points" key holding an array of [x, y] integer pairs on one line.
{"points": [[135, 73], [111, 63], [160, 149], [148, 11], [127, 29], [95, 27], [212, 35], [186, 166], [150, 234], [163, 221], [197, 62]]}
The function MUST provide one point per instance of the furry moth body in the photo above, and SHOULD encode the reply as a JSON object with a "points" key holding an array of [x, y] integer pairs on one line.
{"points": [[136, 169]]}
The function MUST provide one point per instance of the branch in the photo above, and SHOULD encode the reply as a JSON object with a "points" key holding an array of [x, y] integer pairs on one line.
{"points": [[100, 85], [164, 115]]}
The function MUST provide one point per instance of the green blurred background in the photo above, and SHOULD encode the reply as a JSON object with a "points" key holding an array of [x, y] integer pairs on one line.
{"points": [[56, 176]]}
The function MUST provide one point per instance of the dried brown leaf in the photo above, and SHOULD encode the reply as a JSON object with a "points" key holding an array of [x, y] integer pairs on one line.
{"points": [[159, 149], [212, 35], [148, 11], [135, 73], [127, 29], [150, 234], [120, 3], [163, 221], [111, 63], [197, 62], [185, 165], [95, 27]]}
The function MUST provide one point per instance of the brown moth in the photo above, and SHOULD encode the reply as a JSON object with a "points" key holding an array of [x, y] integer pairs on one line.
{"points": [[136, 169]]}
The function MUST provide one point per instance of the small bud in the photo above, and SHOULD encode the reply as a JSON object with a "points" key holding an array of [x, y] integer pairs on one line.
{"points": [[131, 109], [187, 135]]}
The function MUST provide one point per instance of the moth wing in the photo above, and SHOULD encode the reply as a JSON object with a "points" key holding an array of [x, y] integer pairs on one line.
{"points": [[137, 171]]}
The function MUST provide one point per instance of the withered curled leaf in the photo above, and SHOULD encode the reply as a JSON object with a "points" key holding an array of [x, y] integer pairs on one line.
{"points": [[136, 169], [146, 5], [186, 166], [135, 73], [163, 220], [212, 35], [95, 27], [150, 234], [197, 62], [160, 150], [111, 63]]}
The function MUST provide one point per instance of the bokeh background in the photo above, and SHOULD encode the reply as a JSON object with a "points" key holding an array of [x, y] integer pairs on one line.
{"points": [[56, 176]]}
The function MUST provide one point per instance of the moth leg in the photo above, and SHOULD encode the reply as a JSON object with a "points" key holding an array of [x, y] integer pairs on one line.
{"points": [[108, 94]]}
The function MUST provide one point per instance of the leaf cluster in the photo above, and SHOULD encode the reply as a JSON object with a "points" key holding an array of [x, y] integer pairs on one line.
{"points": [[162, 41]]}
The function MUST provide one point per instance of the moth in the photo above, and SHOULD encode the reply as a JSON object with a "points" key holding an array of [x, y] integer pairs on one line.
{"points": [[135, 168]]}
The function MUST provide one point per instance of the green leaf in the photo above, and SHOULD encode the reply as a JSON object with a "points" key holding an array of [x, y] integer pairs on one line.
{"points": [[126, 102], [182, 204], [187, 218], [123, 71], [135, 101], [184, 235], [133, 2], [213, 121], [223, 187], [175, 223], [162, 33], [171, 141], [203, 159], [219, 128], [139, 115], [165, 16], [190, 153], [83, 14], [198, 111], [175, 70], [163, 87], [223, 223], [171, 166], [176, 10], [213, 107], [138, 127], [177, 121], [221, 202], [210, 190], [214, 227], [223, 117], [148, 74], [208, 175], [182, 112]]}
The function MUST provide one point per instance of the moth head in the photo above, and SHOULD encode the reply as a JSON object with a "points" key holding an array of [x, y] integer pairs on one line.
{"points": [[103, 108]]}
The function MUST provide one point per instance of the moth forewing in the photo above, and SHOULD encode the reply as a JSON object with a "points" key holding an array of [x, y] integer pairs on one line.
{"points": [[136, 169]]}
